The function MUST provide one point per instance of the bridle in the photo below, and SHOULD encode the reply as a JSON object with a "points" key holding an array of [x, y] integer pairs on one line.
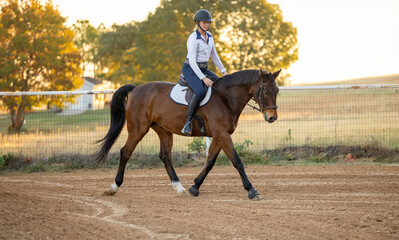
{"points": [[258, 92]]}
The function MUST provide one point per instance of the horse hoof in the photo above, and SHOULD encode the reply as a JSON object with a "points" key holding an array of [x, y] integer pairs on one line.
{"points": [[254, 195], [256, 198], [179, 188], [194, 191], [109, 193], [181, 192]]}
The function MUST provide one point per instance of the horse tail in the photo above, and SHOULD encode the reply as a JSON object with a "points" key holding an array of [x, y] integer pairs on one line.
{"points": [[118, 118]]}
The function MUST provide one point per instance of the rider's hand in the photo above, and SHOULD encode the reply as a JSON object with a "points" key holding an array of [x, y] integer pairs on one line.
{"points": [[224, 73], [207, 81]]}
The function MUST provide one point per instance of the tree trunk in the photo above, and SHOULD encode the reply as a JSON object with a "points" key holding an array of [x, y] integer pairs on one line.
{"points": [[19, 120], [18, 117], [12, 112]]}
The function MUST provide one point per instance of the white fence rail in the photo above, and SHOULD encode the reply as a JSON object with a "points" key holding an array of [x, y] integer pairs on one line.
{"points": [[326, 87], [329, 87], [51, 93], [308, 115]]}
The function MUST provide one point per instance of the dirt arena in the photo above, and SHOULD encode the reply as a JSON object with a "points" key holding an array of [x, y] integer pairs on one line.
{"points": [[299, 202]]}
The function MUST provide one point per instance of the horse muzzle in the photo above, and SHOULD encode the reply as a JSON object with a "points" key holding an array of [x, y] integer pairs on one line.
{"points": [[271, 118]]}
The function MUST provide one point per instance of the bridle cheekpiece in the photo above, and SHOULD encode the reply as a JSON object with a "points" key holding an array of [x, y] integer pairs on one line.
{"points": [[261, 97]]}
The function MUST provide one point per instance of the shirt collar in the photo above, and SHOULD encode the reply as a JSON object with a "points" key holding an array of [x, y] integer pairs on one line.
{"points": [[200, 37]]}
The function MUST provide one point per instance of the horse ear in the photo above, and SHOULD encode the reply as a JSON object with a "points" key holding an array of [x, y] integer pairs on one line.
{"points": [[262, 73], [275, 75]]}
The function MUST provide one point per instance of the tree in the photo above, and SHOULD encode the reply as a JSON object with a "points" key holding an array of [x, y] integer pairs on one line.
{"points": [[36, 54], [160, 45], [256, 35], [248, 34], [115, 48], [86, 39]]}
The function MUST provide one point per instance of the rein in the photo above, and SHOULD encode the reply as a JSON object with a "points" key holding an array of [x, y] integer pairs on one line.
{"points": [[240, 100]]}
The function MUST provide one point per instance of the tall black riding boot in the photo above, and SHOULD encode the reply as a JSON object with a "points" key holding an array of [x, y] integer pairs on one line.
{"points": [[192, 110]]}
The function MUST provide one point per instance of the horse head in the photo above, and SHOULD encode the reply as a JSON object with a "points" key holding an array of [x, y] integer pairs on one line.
{"points": [[265, 94]]}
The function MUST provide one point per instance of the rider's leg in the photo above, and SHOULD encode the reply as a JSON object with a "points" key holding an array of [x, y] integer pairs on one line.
{"points": [[192, 110], [199, 93]]}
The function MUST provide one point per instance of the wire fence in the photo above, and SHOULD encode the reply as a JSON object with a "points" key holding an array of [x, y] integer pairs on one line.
{"points": [[311, 116]]}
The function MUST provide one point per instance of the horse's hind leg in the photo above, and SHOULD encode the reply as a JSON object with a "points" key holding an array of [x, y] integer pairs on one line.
{"points": [[165, 154], [133, 139]]}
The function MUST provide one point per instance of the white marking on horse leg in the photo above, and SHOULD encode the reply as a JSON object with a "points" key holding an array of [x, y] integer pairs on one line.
{"points": [[177, 185], [114, 187]]}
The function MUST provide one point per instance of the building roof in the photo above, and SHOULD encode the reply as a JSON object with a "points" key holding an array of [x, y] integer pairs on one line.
{"points": [[92, 80]]}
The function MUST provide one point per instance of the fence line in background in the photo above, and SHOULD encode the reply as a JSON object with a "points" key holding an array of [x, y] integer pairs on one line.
{"points": [[49, 93], [327, 87], [308, 115]]}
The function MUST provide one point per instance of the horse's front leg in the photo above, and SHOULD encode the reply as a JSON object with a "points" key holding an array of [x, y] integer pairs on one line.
{"points": [[228, 147], [214, 151]]}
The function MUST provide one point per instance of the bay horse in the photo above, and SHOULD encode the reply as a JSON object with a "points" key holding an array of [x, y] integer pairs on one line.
{"points": [[149, 106]]}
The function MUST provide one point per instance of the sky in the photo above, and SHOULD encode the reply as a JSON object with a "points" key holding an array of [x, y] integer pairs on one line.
{"points": [[338, 40]]}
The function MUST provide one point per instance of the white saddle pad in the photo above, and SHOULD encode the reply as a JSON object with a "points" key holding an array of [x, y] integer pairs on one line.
{"points": [[178, 95]]}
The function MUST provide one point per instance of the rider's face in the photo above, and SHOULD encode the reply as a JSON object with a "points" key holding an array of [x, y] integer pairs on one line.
{"points": [[205, 25]]}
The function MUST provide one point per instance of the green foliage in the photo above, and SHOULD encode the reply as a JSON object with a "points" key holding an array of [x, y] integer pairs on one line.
{"points": [[288, 157], [242, 147], [253, 34], [223, 160], [288, 138], [86, 39], [4, 160], [115, 47], [35, 167], [384, 159], [36, 54], [248, 34], [248, 156], [284, 156], [320, 158], [145, 161], [197, 145]]}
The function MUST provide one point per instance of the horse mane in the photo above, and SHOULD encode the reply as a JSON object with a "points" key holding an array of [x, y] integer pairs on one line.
{"points": [[239, 78]]}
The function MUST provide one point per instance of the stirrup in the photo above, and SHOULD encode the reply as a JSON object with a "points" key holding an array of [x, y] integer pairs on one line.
{"points": [[187, 129]]}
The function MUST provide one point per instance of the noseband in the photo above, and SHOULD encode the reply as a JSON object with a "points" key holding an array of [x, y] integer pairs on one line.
{"points": [[260, 95]]}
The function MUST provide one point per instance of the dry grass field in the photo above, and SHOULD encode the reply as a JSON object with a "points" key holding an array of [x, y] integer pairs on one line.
{"points": [[388, 79], [306, 117]]}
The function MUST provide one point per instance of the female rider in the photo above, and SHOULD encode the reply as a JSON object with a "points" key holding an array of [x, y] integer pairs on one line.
{"points": [[200, 46]]}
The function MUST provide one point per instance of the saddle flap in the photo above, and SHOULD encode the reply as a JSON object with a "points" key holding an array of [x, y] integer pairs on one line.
{"points": [[182, 95], [182, 81]]}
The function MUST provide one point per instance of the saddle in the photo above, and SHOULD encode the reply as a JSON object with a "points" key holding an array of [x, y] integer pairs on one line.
{"points": [[182, 93], [189, 92]]}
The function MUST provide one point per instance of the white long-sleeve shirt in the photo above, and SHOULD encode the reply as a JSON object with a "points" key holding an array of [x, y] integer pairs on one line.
{"points": [[199, 51]]}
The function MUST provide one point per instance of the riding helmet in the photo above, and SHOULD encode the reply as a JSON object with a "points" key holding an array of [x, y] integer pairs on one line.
{"points": [[203, 15]]}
